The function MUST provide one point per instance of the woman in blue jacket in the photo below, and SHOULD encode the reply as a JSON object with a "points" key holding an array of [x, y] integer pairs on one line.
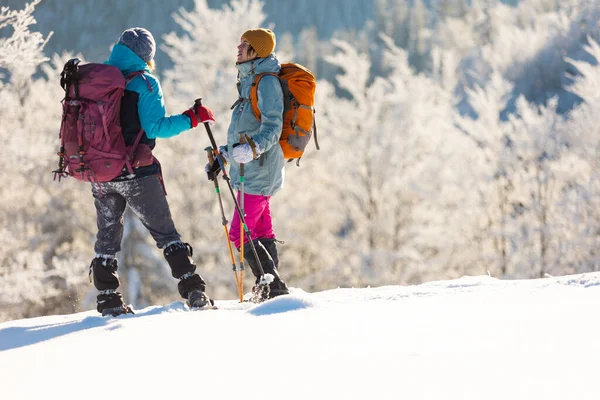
{"points": [[143, 108], [263, 160]]}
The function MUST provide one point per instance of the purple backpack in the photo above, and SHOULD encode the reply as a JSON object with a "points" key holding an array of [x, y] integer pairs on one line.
{"points": [[92, 144]]}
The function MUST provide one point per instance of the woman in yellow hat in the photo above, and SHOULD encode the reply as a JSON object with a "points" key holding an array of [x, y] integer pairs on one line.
{"points": [[254, 143]]}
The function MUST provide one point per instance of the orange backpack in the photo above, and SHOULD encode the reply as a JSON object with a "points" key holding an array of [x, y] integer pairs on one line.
{"points": [[298, 84]]}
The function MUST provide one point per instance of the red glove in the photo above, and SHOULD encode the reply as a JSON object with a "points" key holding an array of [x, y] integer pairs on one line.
{"points": [[200, 114]]}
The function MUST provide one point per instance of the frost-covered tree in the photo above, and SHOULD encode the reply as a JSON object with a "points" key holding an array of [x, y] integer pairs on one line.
{"points": [[204, 56], [493, 172], [538, 145], [21, 51], [521, 175], [381, 174], [581, 203], [41, 231]]}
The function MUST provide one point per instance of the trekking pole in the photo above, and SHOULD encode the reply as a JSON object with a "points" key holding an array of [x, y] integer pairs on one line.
{"points": [[264, 280], [211, 160], [242, 140], [242, 226]]}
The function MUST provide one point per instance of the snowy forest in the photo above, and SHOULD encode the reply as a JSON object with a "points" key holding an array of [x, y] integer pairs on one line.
{"points": [[457, 138]]}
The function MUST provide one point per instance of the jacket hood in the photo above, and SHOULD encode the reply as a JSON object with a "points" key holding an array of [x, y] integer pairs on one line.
{"points": [[259, 65], [126, 60]]}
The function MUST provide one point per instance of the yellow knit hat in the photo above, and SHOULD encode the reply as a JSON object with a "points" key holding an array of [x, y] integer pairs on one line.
{"points": [[261, 40]]}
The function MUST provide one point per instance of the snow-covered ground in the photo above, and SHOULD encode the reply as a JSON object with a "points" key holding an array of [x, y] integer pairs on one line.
{"points": [[470, 338]]}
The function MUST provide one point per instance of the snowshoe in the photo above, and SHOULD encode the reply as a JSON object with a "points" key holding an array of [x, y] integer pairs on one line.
{"points": [[116, 311], [198, 300]]}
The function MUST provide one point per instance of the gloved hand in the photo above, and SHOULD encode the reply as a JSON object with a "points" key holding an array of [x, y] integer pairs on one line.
{"points": [[213, 170], [199, 114], [242, 152]]}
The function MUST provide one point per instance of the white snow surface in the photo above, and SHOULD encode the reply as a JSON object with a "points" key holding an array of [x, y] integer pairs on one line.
{"points": [[469, 338]]}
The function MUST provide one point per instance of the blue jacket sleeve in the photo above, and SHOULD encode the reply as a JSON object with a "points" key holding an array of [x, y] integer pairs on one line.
{"points": [[270, 104], [151, 109]]}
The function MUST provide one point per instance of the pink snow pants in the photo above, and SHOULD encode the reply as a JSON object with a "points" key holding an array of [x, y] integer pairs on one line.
{"points": [[257, 214]]}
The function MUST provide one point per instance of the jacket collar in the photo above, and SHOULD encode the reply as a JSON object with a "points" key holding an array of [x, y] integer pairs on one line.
{"points": [[258, 66], [126, 60]]}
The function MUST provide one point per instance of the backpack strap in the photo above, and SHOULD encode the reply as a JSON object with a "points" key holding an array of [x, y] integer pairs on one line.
{"points": [[315, 128], [61, 171], [132, 75], [254, 92], [133, 148], [137, 141]]}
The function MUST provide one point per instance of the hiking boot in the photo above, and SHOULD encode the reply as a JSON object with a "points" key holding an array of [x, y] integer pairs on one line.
{"points": [[110, 302], [198, 299], [267, 254], [190, 282], [277, 288], [266, 262]]}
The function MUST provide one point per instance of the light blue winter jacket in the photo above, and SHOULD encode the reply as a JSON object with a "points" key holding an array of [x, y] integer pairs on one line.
{"points": [[151, 105], [265, 175]]}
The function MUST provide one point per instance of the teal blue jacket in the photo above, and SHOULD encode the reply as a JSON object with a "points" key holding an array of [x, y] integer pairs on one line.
{"points": [[151, 105], [264, 176]]}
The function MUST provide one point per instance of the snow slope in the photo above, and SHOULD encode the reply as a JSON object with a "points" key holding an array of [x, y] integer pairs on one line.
{"points": [[470, 338]]}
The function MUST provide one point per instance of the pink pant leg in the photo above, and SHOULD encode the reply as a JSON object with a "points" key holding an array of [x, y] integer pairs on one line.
{"points": [[257, 216], [264, 225]]}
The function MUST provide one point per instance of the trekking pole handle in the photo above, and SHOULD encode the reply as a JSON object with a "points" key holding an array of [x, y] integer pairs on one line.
{"points": [[210, 154], [244, 138], [198, 102]]}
